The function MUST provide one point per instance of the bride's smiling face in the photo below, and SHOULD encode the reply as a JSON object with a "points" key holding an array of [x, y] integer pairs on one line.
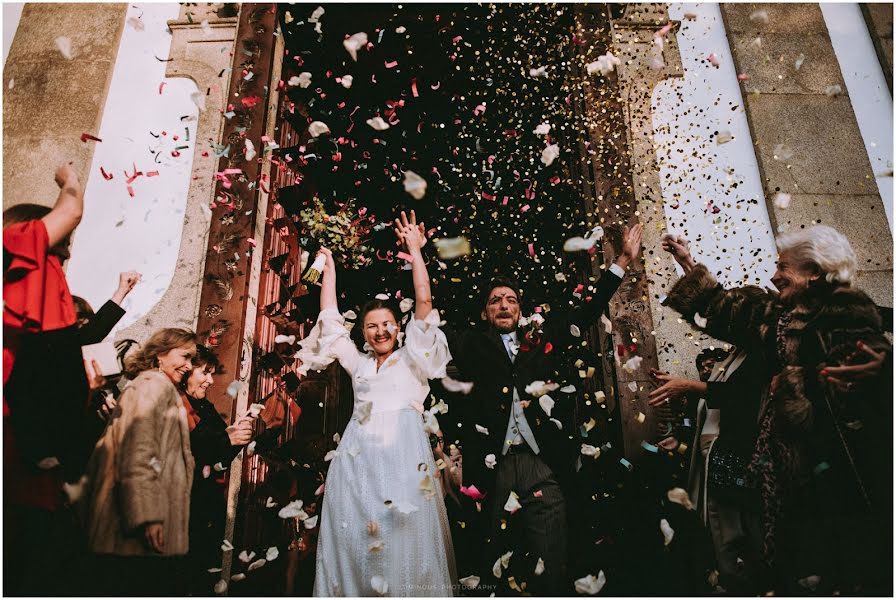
{"points": [[380, 330]]}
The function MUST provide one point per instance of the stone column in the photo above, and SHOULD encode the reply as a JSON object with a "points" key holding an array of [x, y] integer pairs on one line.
{"points": [[50, 100], [807, 140], [633, 40], [205, 58]]}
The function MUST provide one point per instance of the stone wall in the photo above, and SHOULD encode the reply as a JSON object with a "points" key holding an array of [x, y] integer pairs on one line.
{"points": [[50, 100], [879, 18], [807, 140]]}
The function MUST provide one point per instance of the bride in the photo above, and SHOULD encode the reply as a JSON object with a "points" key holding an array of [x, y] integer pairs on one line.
{"points": [[384, 529]]}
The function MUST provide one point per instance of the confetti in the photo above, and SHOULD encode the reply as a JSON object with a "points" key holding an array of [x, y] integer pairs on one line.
{"points": [[590, 584], [64, 45]]}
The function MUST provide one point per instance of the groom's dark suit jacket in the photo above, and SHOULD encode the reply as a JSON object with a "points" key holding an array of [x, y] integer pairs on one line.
{"points": [[480, 357]]}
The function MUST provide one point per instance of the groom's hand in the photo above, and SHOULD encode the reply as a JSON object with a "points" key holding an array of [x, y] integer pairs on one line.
{"points": [[631, 245]]}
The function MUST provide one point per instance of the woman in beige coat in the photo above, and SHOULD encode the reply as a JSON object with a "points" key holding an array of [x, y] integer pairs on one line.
{"points": [[140, 474]]}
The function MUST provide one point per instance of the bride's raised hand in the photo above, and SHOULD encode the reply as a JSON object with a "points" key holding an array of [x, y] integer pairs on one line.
{"points": [[409, 232]]}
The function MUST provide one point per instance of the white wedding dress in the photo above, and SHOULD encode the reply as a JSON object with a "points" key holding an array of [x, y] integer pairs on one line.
{"points": [[384, 529]]}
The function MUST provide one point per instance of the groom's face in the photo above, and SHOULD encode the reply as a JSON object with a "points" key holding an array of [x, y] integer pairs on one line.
{"points": [[502, 309]]}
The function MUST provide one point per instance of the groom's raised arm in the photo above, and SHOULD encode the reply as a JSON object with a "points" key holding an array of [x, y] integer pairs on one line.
{"points": [[588, 313]]}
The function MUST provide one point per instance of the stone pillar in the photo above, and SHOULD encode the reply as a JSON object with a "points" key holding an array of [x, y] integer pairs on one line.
{"points": [[50, 100], [879, 18], [633, 40], [205, 58], [807, 141]]}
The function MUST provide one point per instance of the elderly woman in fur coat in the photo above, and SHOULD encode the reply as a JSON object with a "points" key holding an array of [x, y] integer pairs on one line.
{"points": [[823, 458], [139, 477]]}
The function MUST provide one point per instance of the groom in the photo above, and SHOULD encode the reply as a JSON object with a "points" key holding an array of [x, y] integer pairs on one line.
{"points": [[516, 445]]}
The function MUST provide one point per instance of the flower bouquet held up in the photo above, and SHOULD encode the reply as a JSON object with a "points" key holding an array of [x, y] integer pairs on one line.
{"points": [[344, 232]]}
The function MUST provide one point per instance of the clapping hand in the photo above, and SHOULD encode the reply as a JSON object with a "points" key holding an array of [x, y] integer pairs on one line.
{"points": [[678, 247], [410, 233]]}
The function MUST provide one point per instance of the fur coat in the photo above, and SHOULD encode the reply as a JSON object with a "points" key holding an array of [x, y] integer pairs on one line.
{"points": [[834, 446], [141, 471]]}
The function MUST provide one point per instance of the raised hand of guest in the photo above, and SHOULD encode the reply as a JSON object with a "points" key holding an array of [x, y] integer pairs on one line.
{"points": [[126, 283], [672, 387], [679, 248], [69, 207]]}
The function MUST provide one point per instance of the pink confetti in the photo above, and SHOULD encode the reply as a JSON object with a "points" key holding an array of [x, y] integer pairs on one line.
{"points": [[391, 65], [87, 136], [532, 250], [106, 176], [161, 87]]}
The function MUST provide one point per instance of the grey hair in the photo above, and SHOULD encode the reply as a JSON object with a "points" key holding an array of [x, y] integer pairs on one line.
{"points": [[824, 247]]}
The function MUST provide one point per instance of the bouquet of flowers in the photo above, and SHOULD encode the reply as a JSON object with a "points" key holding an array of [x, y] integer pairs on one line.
{"points": [[345, 233]]}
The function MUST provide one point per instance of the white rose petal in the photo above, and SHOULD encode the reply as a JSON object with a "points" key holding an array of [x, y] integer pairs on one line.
{"points": [[539, 566], [501, 563], [304, 79], [238, 577], [382, 296], [782, 200], [378, 123], [406, 305], [724, 137], [513, 503], [481, 429], [490, 461], [430, 423], [798, 63], [575, 331], [578, 244], [759, 16], [246, 557], [226, 546], [316, 15], [547, 404], [668, 532], [64, 45], [355, 43], [272, 553], [291, 510], [376, 546], [542, 129], [589, 450], [590, 584], [453, 385], [833, 90], [540, 388], [318, 128], [257, 564], [603, 65], [470, 581], [346, 81], [568, 389], [379, 585], [414, 185], [550, 154], [220, 587], [285, 339], [311, 523], [632, 364], [156, 464], [557, 423], [539, 72]]}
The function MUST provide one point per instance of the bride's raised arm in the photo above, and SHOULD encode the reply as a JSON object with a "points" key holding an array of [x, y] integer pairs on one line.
{"points": [[328, 340], [414, 237], [328, 286]]}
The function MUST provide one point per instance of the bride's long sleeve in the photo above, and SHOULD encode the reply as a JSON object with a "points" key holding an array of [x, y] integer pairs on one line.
{"points": [[427, 346], [328, 341]]}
